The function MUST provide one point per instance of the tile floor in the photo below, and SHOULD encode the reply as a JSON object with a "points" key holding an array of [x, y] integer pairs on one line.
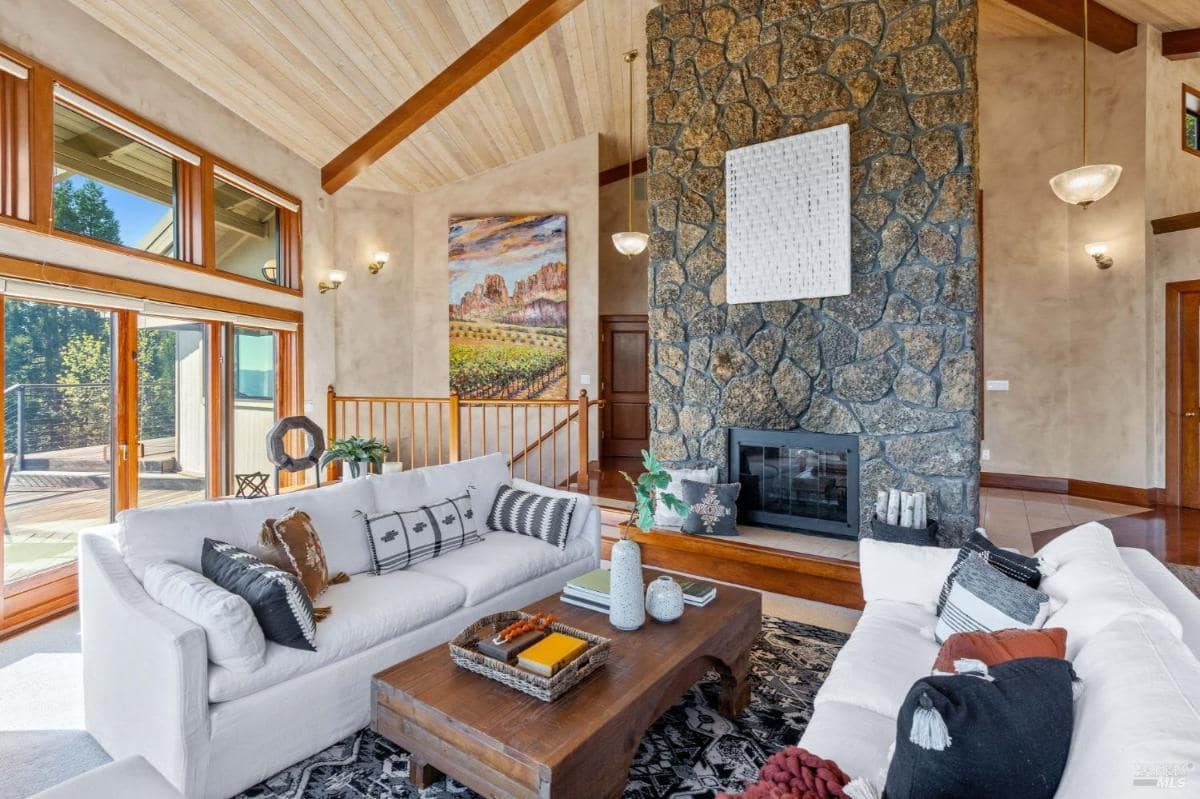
{"points": [[1010, 516]]}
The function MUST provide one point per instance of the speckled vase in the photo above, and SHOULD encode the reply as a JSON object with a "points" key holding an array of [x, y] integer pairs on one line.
{"points": [[626, 605], [664, 599]]}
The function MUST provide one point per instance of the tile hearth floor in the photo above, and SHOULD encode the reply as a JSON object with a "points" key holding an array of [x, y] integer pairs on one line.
{"points": [[1011, 516]]}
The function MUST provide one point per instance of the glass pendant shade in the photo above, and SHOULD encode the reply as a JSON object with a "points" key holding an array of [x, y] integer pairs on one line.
{"points": [[630, 242], [1086, 184]]}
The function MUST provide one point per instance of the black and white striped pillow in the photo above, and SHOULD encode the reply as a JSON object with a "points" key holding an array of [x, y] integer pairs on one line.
{"points": [[278, 599], [982, 598], [400, 538], [535, 515], [1011, 564]]}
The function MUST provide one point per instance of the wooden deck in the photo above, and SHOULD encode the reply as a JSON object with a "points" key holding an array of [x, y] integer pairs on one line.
{"points": [[43, 523]]}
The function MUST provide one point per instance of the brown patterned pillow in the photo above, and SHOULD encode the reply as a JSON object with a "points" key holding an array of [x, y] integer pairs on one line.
{"points": [[291, 543]]}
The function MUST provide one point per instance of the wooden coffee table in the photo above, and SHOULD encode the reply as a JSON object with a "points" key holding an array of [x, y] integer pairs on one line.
{"points": [[503, 743]]}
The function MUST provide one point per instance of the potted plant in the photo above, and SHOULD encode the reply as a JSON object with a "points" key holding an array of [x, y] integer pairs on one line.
{"points": [[627, 608], [357, 453]]}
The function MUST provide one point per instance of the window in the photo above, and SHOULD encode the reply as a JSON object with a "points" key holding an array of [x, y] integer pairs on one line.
{"points": [[110, 186], [253, 387], [15, 195], [247, 234], [1191, 120]]}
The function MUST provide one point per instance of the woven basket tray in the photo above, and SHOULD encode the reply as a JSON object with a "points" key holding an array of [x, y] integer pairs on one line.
{"points": [[464, 654]]}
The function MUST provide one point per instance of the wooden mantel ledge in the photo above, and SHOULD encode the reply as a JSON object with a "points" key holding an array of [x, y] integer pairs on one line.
{"points": [[1174, 224], [730, 560]]}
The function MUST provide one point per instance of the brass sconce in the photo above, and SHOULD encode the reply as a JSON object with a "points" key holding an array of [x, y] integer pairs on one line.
{"points": [[336, 278], [380, 260], [1099, 253]]}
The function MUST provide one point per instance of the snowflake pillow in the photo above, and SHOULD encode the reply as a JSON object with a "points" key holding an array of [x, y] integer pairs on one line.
{"points": [[712, 508], [400, 538]]}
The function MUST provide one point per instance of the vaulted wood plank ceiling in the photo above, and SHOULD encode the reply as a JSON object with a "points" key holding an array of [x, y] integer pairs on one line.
{"points": [[317, 74], [1002, 19]]}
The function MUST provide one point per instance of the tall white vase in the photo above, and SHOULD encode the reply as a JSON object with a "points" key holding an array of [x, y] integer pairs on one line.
{"points": [[627, 608]]}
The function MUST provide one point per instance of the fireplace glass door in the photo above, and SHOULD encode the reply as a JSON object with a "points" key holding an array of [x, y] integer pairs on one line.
{"points": [[801, 481]]}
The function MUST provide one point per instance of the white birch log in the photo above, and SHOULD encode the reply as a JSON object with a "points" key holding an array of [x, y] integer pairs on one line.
{"points": [[893, 514], [920, 514], [907, 506], [881, 505]]}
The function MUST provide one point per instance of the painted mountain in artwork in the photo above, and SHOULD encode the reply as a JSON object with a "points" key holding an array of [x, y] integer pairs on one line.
{"points": [[539, 300]]}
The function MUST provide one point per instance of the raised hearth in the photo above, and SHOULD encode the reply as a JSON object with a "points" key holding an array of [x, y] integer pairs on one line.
{"points": [[796, 480]]}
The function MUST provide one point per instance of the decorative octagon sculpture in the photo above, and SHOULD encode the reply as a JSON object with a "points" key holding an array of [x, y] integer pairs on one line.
{"points": [[278, 454]]}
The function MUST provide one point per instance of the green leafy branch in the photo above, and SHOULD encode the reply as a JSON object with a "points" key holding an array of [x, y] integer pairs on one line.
{"points": [[648, 490], [354, 450]]}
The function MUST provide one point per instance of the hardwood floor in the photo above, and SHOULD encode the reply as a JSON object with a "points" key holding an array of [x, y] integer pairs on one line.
{"points": [[1171, 534], [606, 482]]}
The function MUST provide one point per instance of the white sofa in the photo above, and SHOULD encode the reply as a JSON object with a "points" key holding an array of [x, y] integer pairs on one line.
{"points": [[150, 690], [1133, 634]]}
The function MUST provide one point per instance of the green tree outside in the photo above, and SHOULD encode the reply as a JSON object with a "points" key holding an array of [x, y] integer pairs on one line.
{"points": [[83, 209]]}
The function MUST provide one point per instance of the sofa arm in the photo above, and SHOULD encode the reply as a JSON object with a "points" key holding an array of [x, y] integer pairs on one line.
{"points": [[586, 521], [145, 670]]}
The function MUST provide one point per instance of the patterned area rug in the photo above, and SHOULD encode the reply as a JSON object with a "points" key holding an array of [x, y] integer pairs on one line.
{"points": [[690, 752], [1188, 575]]}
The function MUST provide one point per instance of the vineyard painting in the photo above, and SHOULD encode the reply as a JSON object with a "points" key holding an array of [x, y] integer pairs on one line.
{"points": [[508, 307]]}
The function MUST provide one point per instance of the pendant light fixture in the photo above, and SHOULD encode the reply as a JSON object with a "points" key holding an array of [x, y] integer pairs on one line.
{"points": [[630, 242], [1085, 185]]}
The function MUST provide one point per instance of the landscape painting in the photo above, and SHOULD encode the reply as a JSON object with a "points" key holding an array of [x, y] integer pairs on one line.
{"points": [[508, 307]]}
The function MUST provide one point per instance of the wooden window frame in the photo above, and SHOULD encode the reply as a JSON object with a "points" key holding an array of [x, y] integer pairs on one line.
{"points": [[27, 202], [1187, 90], [54, 591]]}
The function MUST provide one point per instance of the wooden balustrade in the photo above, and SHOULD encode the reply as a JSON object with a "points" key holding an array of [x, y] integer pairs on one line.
{"points": [[547, 441]]}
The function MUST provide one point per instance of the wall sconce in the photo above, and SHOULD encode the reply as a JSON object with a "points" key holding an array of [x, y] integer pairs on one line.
{"points": [[336, 278], [381, 259], [270, 270], [1099, 252]]}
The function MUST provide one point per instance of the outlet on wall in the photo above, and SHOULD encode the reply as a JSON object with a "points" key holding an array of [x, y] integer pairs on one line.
{"points": [[985, 454], [585, 380]]}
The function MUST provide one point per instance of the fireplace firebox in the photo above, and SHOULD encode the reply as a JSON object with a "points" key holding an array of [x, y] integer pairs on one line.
{"points": [[796, 480]]}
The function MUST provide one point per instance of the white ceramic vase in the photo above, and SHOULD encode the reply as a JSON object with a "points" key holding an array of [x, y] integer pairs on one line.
{"points": [[626, 609], [364, 468], [664, 599]]}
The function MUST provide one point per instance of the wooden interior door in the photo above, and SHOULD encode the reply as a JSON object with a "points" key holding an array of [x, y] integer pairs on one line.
{"points": [[625, 385], [1183, 394]]}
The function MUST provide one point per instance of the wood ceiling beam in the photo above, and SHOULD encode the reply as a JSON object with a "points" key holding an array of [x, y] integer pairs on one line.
{"points": [[505, 40], [1178, 45], [1106, 28], [613, 174]]}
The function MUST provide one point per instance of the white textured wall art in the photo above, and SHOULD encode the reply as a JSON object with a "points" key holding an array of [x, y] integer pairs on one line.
{"points": [[787, 206]]}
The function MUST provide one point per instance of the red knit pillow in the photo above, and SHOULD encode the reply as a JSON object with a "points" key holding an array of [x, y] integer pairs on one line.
{"points": [[994, 648], [795, 773]]}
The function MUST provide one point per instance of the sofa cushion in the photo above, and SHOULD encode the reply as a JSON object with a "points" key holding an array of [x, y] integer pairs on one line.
{"points": [[234, 638], [331, 509], [418, 487], [983, 598], [399, 539], [1167, 587], [278, 598], [855, 738], [528, 513], [891, 648], [176, 534], [500, 562], [583, 509], [903, 572], [1011, 564], [1086, 573], [369, 609], [999, 737], [1001, 646], [1138, 715]]}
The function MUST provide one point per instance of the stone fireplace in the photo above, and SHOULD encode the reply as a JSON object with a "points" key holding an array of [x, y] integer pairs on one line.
{"points": [[893, 363], [795, 480]]}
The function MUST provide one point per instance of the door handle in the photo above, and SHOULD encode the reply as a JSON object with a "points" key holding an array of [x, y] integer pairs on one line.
{"points": [[1190, 414], [123, 449]]}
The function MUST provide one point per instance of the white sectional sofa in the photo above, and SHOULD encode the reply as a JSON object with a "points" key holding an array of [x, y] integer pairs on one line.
{"points": [[150, 690], [1133, 634]]}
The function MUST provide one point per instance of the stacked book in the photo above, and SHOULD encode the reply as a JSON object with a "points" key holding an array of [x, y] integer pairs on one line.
{"points": [[591, 591]]}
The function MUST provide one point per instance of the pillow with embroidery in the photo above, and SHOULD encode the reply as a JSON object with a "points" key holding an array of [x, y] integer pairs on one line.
{"points": [[291, 543], [400, 538], [712, 508]]}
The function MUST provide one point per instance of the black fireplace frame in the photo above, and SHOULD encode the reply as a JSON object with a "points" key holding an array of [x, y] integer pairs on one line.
{"points": [[800, 439]]}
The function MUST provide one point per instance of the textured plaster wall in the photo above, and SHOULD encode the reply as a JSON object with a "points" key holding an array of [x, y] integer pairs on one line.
{"points": [[1026, 288], [893, 362], [86, 51], [374, 322], [622, 279]]}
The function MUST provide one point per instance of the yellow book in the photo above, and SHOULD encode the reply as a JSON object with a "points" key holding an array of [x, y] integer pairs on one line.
{"points": [[551, 653]]}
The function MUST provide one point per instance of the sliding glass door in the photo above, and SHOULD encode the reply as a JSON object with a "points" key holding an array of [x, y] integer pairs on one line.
{"points": [[173, 411], [59, 433]]}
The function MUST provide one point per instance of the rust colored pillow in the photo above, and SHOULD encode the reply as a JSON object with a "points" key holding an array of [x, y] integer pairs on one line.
{"points": [[1000, 646], [291, 543]]}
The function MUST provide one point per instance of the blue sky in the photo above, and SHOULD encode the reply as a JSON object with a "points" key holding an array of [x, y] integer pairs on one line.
{"points": [[136, 214]]}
